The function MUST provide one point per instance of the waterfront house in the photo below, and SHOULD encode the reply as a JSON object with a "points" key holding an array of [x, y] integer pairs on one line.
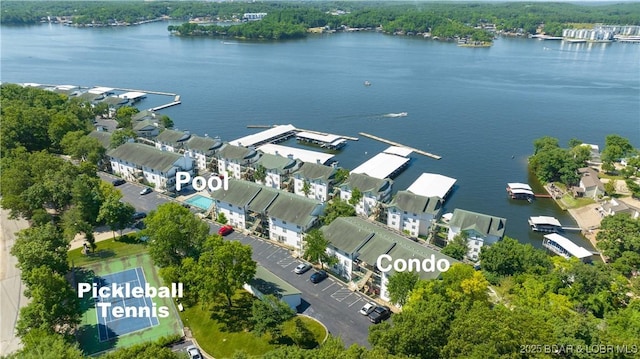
{"points": [[481, 229], [146, 115], [357, 243], [317, 178], [277, 169], [202, 150], [146, 128], [590, 183], [234, 201], [374, 191], [171, 140], [614, 206], [232, 160], [141, 163], [412, 213]]}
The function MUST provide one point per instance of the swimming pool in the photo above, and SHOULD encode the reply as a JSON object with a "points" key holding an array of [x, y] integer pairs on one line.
{"points": [[200, 201]]}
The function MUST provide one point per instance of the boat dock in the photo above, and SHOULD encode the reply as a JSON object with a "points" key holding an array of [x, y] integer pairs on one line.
{"points": [[272, 134], [564, 247], [386, 164], [424, 153], [328, 134]]}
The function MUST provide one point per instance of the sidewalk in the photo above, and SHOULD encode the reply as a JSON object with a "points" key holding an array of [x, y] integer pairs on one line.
{"points": [[101, 233]]}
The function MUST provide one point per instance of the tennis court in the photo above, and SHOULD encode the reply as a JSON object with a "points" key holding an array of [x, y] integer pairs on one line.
{"points": [[112, 326]]}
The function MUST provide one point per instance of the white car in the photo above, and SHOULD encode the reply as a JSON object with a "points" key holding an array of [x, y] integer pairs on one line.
{"points": [[146, 190], [367, 308], [301, 268], [194, 352]]}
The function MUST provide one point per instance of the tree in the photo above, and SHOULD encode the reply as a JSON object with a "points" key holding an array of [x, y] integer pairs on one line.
{"points": [[260, 173], [509, 257], [121, 136], [175, 233], [302, 336], [144, 350], [458, 247], [269, 314], [356, 196], [608, 166], [610, 188], [116, 214], [166, 122], [42, 344], [225, 266], [82, 147], [54, 305], [315, 247], [123, 116], [222, 218], [400, 285], [545, 143], [341, 175], [615, 148], [618, 234], [306, 188], [40, 246], [337, 208]]}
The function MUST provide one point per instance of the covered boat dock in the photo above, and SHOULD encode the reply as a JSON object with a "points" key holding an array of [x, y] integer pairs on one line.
{"points": [[272, 135], [296, 153], [432, 185], [386, 164], [564, 247], [329, 141]]}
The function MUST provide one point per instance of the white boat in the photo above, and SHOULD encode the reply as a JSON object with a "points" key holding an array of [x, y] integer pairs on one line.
{"points": [[367, 83], [400, 114]]}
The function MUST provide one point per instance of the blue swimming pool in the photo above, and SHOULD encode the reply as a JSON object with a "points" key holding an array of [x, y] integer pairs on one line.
{"points": [[200, 201]]}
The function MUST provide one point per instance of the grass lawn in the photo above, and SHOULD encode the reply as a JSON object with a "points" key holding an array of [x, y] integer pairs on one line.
{"points": [[111, 248], [222, 331], [570, 202]]}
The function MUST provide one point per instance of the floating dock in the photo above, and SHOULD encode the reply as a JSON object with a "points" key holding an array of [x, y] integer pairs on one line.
{"points": [[424, 153], [385, 164]]}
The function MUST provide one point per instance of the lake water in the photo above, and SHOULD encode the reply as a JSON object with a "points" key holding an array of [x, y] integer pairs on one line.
{"points": [[480, 109]]}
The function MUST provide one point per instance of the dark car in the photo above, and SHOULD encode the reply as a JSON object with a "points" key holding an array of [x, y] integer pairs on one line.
{"points": [[318, 276], [379, 314], [139, 215], [118, 182], [224, 230], [302, 268]]}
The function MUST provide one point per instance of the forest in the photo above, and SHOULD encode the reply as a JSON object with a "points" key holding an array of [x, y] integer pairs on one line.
{"points": [[287, 20]]}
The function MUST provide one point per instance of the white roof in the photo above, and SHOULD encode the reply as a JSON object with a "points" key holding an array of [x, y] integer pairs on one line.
{"points": [[381, 165], [521, 191], [262, 136], [574, 249], [302, 155], [518, 185], [400, 151], [552, 221], [432, 185], [66, 87], [132, 95], [100, 90], [327, 138]]}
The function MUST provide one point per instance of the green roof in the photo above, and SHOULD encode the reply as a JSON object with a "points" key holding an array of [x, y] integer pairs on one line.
{"points": [[269, 283], [313, 171], [139, 126], [367, 241], [295, 209], [202, 144], [239, 194], [103, 137], [171, 137], [144, 114], [237, 153], [366, 184], [114, 100], [481, 223], [274, 163], [263, 200], [88, 96], [145, 156], [410, 202]]}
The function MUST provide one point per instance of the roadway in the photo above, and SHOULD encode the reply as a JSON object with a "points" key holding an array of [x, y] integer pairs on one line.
{"points": [[329, 301]]}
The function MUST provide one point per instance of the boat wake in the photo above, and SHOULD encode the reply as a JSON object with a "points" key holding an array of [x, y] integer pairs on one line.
{"points": [[399, 114]]}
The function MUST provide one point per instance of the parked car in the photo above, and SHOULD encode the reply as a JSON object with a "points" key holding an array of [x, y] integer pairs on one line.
{"points": [[367, 308], [379, 314], [224, 230], [146, 190], [318, 276], [302, 268], [118, 182], [194, 352], [139, 215]]}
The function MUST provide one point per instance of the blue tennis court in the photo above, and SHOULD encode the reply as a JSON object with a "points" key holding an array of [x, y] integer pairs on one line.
{"points": [[109, 326]]}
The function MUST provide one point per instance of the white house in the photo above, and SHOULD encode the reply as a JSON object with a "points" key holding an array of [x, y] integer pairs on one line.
{"points": [[291, 216], [590, 182], [318, 179], [234, 201], [277, 169], [413, 213], [202, 150], [480, 228], [265, 283], [171, 140], [357, 243], [138, 162], [374, 191], [232, 160]]}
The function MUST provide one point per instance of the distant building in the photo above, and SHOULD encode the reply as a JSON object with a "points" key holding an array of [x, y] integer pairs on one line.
{"points": [[202, 150], [413, 213], [590, 183], [613, 206], [172, 140], [318, 178], [233, 160], [481, 229], [277, 169], [374, 192], [141, 163], [253, 16], [146, 128]]}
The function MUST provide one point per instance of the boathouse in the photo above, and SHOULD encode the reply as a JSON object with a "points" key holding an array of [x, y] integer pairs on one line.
{"points": [[329, 141], [386, 164], [296, 153], [520, 191], [432, 185], [565, 248], [545, 224], [272, 135]]}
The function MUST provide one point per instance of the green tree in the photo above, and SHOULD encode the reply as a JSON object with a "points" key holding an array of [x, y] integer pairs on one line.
{"points": [[341, 175], [458, 247], [610, 188], [123, 116], [306, 188], [222, 218], [40, 246], [175, 233], [225, 266], [618, 234], [545, 143], [615, 148], [315, 247], [144, 350], [337, 208], [121, 136], [82, 147], [509, 257], [42, 344], [400, 285], [608, 166], [116, 214], [356, 196], [260, 173], [302, 336], [269, 314], [166, 122]]}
